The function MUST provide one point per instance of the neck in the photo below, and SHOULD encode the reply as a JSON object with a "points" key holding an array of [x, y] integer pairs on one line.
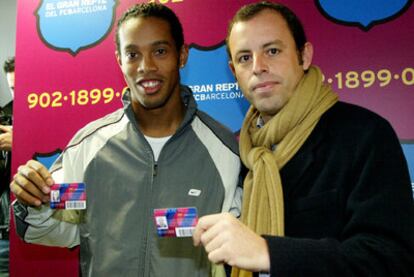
{"points": [[266, 118], [160, 122]]}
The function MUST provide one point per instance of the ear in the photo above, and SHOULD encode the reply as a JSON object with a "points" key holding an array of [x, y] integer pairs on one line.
{"points": [[231, 65], [307, 55], [118, 58], [183, 56]]}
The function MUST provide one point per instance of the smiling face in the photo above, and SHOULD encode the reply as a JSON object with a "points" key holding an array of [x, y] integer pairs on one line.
{"points": [[265, 61], [150, 62]]}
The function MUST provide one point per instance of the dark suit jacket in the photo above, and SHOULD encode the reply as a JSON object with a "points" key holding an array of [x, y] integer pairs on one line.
{"points": [[348, 201]]}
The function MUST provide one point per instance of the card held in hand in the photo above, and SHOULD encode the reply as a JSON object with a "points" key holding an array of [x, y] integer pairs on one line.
{"points": [[175, 222], [68, 196]]}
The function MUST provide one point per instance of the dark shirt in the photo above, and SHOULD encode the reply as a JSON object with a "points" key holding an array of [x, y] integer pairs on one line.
{"points": [[6, 118]]}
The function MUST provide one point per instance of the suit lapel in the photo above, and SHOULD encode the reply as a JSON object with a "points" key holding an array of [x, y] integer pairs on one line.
{"points": [[294, 173]]}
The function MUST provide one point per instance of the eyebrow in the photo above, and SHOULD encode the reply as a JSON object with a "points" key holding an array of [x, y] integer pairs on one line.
{"points": [[274, 42], [277, 42], [161, 42], [155, 43]]}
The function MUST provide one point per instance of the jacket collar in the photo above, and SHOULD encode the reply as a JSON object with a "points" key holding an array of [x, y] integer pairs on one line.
{"points": [[294, 171], [186, 97]]}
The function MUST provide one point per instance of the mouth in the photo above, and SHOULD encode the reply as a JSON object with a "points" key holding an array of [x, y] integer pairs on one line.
{"points": [[264, 86], [150, 86]]}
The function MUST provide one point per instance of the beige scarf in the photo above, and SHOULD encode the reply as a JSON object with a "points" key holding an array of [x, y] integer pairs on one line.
{"points": [[262, 209]]}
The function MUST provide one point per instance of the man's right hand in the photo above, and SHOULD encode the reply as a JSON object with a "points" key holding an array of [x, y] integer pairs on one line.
{"points": [[6, 137], [31, 184]]}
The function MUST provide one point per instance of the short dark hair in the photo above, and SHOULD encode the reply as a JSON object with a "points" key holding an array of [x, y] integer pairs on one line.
{"points": [[249, 11], [158, 11], [8, 65]]}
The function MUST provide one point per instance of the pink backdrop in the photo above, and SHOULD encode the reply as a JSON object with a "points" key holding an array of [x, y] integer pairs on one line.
{"points": [[43, 70]]}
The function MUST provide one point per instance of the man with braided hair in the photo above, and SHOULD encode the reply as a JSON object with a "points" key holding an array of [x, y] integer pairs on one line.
{"points": [[155, 152]]}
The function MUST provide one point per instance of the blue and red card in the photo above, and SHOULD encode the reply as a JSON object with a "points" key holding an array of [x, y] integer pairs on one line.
{"points": [[175, 222], [68, 196], [170, 222]]}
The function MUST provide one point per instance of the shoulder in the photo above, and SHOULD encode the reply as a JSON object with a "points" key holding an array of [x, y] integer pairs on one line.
{"points": [[347, 112], [203, 122], [345, 118], [106, 122]]}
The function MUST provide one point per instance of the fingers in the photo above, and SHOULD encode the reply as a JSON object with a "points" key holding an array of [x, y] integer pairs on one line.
{"points": [[218, 236], [211, 226], [215, 233], [6, 141], [227, 240], [38, 173], [204, 223], [216, 248], [219, 255], [30, 188], [23, 196], [31, 184], [214, 237], [6, 128], [6, 137]]}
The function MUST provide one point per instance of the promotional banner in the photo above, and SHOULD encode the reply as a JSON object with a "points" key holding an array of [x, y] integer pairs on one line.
{"points": [[67, 75]]}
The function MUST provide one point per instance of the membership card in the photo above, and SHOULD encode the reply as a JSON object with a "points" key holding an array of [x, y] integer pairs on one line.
{"points": [[68, 196], [175, 222]]}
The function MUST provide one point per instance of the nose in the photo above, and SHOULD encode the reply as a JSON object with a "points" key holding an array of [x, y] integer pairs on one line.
{"points": [[259, 64], [147, 64]]}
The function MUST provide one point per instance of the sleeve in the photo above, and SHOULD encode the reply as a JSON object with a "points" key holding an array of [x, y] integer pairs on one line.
{"points": [[377, 238], [48, 226], [39, 226], [236, 205], [233, 187]]}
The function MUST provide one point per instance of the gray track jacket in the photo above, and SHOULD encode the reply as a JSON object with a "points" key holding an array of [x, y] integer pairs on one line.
{"points": [[116, 233]]}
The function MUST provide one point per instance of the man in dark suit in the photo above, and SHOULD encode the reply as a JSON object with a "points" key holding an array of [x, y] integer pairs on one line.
{"points": [[328, 191]]}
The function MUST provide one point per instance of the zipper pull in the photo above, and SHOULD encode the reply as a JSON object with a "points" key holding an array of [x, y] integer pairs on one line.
{"points": [[154, 172]]}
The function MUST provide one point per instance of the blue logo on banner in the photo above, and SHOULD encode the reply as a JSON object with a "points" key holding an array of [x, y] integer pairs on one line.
{"points": [[214, 87], [72, 25], [364, 13], [47, 159]]}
